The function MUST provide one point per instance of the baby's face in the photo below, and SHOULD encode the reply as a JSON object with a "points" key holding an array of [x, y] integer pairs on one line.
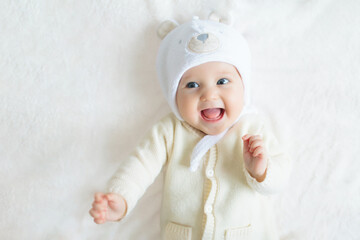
{"points": [[210, 97]]}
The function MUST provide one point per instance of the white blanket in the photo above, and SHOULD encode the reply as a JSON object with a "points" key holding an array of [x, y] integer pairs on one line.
{"points": [[78, 90]]}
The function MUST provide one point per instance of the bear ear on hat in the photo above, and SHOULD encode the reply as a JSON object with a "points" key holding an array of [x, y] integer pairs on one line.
{"points": [[214, 16], [166, 27]]}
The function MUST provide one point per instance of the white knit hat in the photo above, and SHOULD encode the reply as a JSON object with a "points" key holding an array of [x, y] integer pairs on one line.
{"points": [[194, 43]]}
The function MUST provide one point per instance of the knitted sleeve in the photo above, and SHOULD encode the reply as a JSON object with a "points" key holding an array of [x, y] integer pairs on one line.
{"points": [[278, 169], [141, 168]]}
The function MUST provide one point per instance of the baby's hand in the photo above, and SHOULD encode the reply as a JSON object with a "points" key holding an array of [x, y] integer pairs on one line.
{"points": [[108, 207], [255, 156]]}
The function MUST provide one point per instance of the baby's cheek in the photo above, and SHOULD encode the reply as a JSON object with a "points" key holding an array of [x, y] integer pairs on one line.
{"points": [[188, 113], [236, 105]]}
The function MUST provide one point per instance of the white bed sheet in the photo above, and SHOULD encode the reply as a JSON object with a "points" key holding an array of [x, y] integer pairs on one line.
{"points": [[78, 90]]}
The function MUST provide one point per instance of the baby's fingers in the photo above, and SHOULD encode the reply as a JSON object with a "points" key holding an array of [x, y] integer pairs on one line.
{"points": [[99, 197], [95, 213], [99, 216], [113, 198], [246, 137], [115, 201], [246, 142], [254, 138], [99, 220], [258, 151], [99, 206], [256, 143]]}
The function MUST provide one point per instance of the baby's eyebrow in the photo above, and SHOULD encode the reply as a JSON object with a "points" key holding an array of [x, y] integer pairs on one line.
{"points": [[226, 73], [185, 78], [232, 74]]}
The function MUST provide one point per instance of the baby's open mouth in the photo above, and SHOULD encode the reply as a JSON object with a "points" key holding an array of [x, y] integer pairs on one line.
{"points": [[212, 114]]}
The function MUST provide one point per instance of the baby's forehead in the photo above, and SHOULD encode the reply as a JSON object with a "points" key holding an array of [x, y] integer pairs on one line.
{"points": [[211, 68]]}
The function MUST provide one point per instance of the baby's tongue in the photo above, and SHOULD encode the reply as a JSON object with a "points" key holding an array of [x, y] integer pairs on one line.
{"points": [[211, 113]]}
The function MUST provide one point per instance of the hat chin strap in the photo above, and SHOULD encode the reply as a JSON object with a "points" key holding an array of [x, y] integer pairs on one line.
{"points": [[202, 147], [208, 141]]}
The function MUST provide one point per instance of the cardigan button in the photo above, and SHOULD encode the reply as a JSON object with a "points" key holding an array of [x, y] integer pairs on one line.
{"points": [[210, 173], [208, 209]]}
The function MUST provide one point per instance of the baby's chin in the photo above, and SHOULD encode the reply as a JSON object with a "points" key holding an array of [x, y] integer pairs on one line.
{"points": [[213, 130]]}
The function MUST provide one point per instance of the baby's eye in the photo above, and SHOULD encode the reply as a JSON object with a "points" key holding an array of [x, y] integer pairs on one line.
{"points": [[192, 85], [222, 81]]}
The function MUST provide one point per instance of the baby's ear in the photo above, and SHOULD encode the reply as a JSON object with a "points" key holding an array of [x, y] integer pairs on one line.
{"points": [[166, 27], [215, 16]]}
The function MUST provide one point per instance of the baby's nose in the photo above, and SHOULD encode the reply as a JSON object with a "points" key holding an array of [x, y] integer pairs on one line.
{"points": [[209, 95]]}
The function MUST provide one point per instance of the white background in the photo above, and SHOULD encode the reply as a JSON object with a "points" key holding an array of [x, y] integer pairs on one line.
{"points": [[78, 89]]}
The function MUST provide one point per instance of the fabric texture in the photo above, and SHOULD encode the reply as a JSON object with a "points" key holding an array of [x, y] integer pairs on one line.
{"points": [[221, 199]]}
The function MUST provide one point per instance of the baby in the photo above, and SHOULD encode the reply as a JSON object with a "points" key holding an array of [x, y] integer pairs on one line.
{"points": [[220, 160]]}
